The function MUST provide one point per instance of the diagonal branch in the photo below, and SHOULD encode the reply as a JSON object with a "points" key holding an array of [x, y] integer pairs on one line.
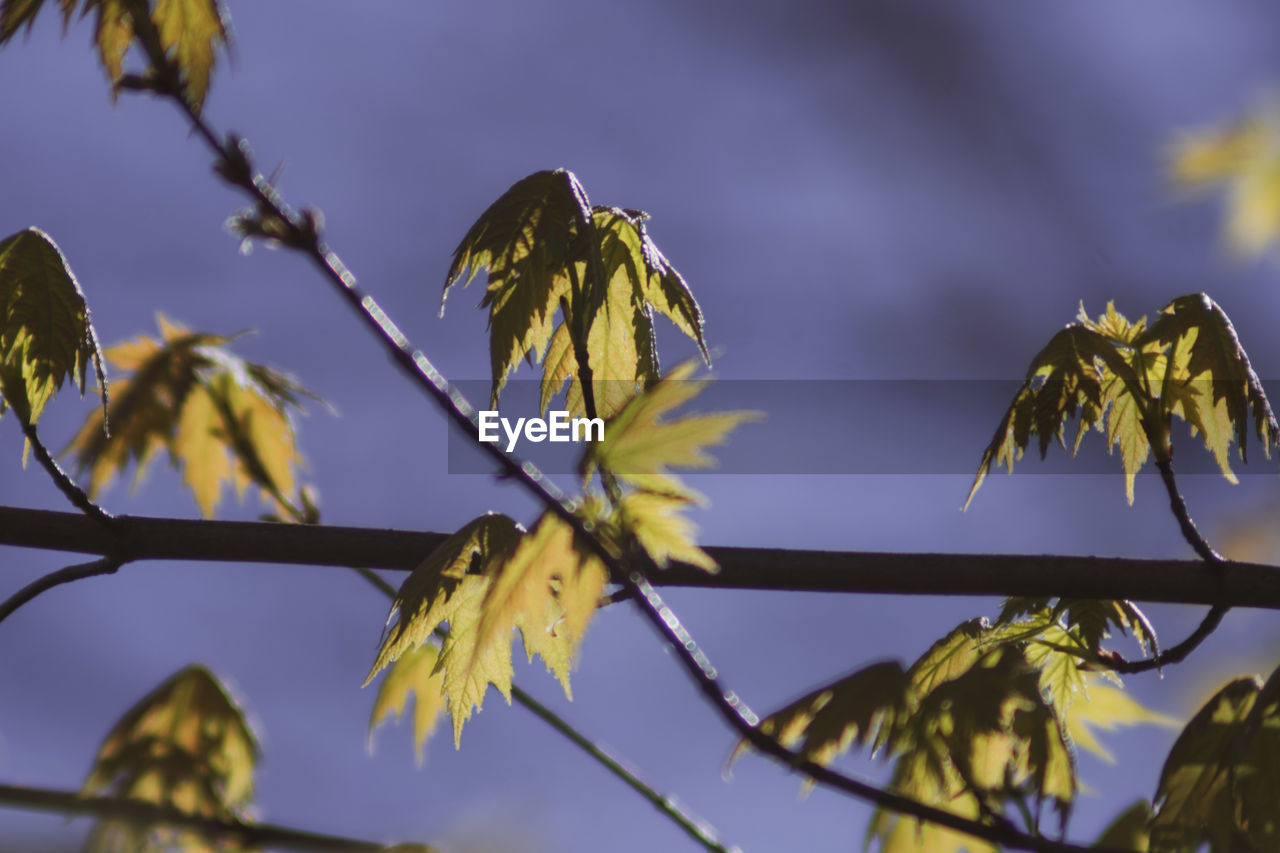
{"points": [[141, 813], [773, 569]]}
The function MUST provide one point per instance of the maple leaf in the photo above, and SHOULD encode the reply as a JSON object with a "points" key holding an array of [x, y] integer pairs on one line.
{"points": [[1210, 382], [219, 417], [1221, 780], [187, 745], [547, 249], [46, 332], [190, 33], [655, 520], [449, 587], [412, 674], [640, 447]]}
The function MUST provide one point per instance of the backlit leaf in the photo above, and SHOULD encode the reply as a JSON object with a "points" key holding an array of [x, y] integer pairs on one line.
{"points": [[412, 674], [1129, 830], [640, 446], [1221, 781], [221, 419], [662, 531], [190, 32], [46, 334], [185, 745]]}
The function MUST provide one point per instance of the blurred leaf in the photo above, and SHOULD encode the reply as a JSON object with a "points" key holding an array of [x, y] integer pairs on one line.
{"points": [[185, 745], [1129, 830], [413, 673], [1240, 159], [1221, 781], [46, 333], [190, 33], [221, 419], [662, 531]]}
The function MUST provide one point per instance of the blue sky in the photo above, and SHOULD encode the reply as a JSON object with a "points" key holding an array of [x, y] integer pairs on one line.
{"points": [[853, 191]]}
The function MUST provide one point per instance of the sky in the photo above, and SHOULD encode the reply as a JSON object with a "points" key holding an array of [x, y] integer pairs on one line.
{"points": [[854, 191]]}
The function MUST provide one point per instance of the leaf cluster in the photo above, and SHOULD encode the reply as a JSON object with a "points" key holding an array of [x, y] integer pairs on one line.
{"points": [[1128, 381]]}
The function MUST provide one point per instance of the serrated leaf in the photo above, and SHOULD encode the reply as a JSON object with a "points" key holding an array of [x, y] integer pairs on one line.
{"points": [[185, 745], [46, 332], [1221, 781], [220, 418], [1209, 366], [1107, 707], [640, 447], [190, 31], [548, 586], [666, 535], [413, 674], [450, 587], [524, 240]]}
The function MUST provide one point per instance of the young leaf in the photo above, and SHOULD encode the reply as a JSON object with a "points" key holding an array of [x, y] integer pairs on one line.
{"points": [[666, 535], [449, 586], [524, 240], [640, 447], [546, 249], [190, 33], [414, 673], [1210, 368], [1221, 781], [186, 745], [219, 417], [46, 333]]}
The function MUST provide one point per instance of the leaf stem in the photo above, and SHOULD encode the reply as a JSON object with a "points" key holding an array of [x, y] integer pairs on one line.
{"points": [[62, 479]]}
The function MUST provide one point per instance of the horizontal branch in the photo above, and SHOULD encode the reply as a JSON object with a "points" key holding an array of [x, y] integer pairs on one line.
{"points": [[1172, 581], [142, 813]]}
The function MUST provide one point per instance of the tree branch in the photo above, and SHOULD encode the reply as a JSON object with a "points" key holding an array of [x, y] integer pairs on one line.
{"points": [[775, 569], [148, 814], [103, 566]]}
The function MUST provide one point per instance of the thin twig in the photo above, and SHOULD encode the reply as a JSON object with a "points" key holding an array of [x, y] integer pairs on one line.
{"points": [[300, 232], [139, 812], [62, 479], [104, 566]]}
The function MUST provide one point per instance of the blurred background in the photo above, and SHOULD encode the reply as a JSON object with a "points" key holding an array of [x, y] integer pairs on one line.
{"points": [[854, 191]]}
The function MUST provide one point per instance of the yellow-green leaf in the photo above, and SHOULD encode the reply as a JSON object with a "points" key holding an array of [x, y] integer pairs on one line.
{"points": [[186, 745], [1129, 830], [640, 446], [666, 535], [46, 333], [191, 32], [220, 418], [413, 674]]}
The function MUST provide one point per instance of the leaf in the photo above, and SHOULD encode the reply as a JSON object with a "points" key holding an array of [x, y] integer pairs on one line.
{"points": [[190, 33], [413, 673], [46, 334], [185, 745], [1209, 365], [547, 578], [640, 447], [449, 587], [861, 709], [1106, 707], [1129, 830], [524, 241], [1221, 781], [547, 249], [1063, 380], [221, 419], [655, 520], [1240, 159]]}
